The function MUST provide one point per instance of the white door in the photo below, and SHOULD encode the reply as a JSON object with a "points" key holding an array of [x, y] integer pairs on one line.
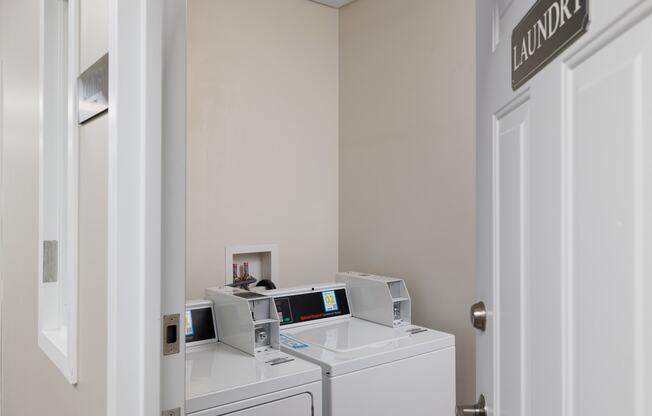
{"points": [[565, 218]]}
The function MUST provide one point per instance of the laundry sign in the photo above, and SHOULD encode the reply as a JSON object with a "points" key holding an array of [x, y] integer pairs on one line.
{"points": [[547, 29]]}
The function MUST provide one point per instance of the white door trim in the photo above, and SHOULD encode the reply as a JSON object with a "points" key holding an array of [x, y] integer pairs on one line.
{"points": [[2, 114], [134, 208]]}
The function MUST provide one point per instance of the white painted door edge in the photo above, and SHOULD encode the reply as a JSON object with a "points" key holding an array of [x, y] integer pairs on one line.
{"points": [[1, 205], [134, 208]]}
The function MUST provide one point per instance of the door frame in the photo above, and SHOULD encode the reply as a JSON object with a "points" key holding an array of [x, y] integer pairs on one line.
{"points": [[133, 277], [146, 204], [173, 245]]}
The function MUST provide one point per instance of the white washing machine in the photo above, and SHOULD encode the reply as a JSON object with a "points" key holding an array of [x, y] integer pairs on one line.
{"points": [[225, 379], [369, 368]]}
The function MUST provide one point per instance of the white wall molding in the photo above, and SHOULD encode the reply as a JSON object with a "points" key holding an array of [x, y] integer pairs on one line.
{"points": [[59, 182]]}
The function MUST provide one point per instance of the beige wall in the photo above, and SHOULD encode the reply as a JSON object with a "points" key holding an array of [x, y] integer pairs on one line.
{"points": [[262, 136], [263, 146], [31, 383], [407, 156]]}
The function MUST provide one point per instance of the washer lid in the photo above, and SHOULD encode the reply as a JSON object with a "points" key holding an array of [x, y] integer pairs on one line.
{"points": [[350, 344], [217, 374], [348, 335]]}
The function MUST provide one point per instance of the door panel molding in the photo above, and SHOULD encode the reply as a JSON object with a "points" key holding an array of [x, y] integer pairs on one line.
{"points": [[594, 42], [512, 352], [506, 15]]}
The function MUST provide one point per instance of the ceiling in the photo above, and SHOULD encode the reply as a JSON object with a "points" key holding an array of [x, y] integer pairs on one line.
{"points": [[334, 3]]}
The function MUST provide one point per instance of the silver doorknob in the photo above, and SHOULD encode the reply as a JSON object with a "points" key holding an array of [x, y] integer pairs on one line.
{"points": [[479, 409], [479, 316]]}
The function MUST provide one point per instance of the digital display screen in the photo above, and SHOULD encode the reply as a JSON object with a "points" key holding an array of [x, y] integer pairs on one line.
{"points": [[199, 324], [330, 300], [311, 306]]}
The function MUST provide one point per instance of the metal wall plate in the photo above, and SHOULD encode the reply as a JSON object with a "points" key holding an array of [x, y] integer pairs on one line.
{"points": [[171, 336], [50, 261], [93, 90], [171, 412]]}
